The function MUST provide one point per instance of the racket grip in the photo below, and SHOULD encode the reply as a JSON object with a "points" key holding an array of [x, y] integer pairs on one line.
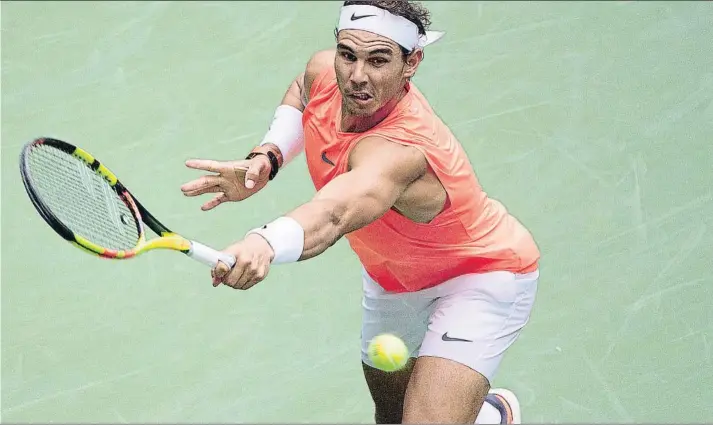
{"points": [[209, 256]]}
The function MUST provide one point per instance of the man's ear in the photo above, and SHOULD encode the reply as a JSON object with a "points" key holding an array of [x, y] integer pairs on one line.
{"points": [[412, 62]]}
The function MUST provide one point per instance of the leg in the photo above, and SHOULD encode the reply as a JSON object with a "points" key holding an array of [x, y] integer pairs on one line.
{"points": [[388, 391], [404, 315], [500, 406], [475, 320], [444, 391]]}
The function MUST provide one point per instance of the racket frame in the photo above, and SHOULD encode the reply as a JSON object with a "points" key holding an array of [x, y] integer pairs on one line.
{"points": [[166, 240]]}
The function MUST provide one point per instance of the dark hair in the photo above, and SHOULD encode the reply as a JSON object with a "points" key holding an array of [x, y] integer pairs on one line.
{"points": [[411, 10]]}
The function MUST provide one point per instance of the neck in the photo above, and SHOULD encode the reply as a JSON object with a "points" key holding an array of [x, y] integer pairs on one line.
{"points": [[360, 123]]}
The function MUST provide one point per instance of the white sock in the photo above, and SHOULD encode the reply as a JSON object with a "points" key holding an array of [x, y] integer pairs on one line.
{"points": [[488, 415]]}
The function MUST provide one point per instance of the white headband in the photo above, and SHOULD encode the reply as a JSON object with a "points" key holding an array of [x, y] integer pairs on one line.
{"points": [[383, 23]]}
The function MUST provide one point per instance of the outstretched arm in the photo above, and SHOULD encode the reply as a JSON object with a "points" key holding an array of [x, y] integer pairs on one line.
{"points": [[238, 180], [379, 173]]}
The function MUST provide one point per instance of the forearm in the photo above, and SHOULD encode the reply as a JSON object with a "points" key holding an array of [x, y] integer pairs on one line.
{"points": [[313, 227], [331, 214], [285, 137], [349, 202], [324, 223], [286, 134]]}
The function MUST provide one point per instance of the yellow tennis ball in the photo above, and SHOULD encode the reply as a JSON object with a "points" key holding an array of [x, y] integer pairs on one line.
{"points": [[388, 352]]}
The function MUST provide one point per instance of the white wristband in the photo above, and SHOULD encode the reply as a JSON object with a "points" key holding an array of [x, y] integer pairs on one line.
{"points": [[287, 132], [286, 237]]}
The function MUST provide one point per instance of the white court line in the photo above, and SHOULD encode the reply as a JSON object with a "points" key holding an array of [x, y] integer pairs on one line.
{"points": [[522, 28], [72, 390], [497, 114], [674, 212], [610, 393], [688, 247]]}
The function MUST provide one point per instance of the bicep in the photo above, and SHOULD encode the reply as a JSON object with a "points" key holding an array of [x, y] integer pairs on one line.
{"points": [[374, 183], [316, 65], [297, 94], [293, 96], [359, 197]]}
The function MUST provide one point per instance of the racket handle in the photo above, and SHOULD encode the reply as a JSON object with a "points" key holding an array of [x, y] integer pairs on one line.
{"points": [[209, 256]]}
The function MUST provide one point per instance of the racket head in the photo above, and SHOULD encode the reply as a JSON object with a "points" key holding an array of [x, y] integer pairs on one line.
{"points": [[85, 203]]}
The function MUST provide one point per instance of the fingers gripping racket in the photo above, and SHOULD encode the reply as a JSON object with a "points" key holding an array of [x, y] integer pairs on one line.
{"points": [[87, 205]]}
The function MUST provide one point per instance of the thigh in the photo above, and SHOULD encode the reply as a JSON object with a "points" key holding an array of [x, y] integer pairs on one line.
{"points": [[476, 319], [443, 391]]}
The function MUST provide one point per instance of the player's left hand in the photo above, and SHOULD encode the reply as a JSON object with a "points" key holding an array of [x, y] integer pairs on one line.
{"points": [[253, 256]]}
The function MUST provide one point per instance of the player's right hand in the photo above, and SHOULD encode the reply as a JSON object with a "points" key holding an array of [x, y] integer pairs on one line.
{"points": [[234, 181]]}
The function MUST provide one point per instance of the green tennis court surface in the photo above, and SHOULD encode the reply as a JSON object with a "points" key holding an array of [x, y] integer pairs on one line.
{"points": [[593, 123]]}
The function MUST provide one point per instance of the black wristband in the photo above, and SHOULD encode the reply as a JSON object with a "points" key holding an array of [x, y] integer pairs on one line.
{"points": [[274, 164]]}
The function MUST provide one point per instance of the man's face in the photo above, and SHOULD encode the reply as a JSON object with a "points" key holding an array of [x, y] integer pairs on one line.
{"points": [[371, 71]]}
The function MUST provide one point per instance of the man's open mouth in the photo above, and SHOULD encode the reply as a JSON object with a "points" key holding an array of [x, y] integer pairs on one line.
{"points": [[360, 96]]}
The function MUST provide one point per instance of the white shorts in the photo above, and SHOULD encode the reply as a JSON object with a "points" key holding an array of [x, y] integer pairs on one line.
{"points": [[471, 319]]}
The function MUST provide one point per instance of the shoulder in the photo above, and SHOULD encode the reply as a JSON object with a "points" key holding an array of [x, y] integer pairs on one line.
{"points": [[403, 162], [320, 62]]}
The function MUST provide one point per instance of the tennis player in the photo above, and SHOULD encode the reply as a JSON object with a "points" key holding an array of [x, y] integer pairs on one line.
{"points": [[445, 267]]}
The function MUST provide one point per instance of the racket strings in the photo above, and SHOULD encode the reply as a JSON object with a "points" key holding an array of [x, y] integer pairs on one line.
{"points": [[81, 199]]}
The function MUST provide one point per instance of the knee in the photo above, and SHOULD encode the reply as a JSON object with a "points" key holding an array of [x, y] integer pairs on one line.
{"points": [[423, 410], [443, 391]]}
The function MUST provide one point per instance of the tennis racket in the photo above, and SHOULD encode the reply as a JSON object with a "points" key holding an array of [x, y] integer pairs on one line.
{"points": [[87, 205]]}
